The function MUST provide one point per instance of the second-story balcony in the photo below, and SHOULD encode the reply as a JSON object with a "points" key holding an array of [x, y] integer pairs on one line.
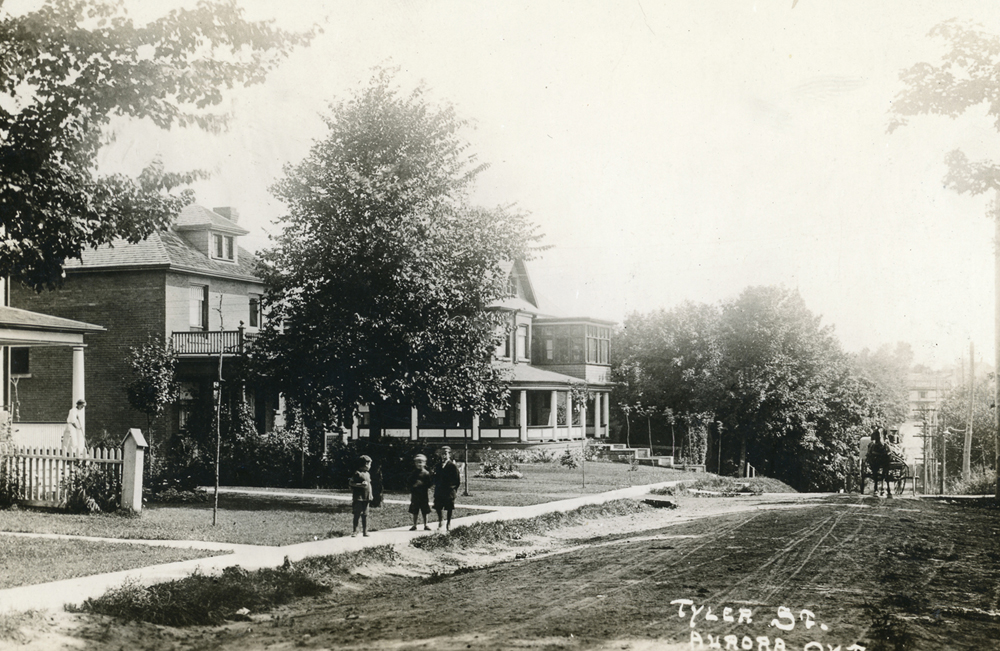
{"points": [[209, 342]]}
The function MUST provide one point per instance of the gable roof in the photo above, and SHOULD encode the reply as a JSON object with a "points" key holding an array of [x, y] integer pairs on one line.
{"points": [[194, 217]]}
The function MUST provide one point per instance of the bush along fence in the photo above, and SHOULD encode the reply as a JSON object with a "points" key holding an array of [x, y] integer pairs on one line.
{"points": [[98, 480]]}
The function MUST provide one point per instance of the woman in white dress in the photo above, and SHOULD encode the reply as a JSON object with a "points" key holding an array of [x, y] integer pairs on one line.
{"points": [[73, 441]]}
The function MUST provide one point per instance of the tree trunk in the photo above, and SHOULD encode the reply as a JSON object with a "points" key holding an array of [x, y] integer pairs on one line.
{"points": [[743, 454]]}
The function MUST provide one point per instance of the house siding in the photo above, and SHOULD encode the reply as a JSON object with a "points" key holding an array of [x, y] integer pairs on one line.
{"points": [[235, 295], [129, 304]]}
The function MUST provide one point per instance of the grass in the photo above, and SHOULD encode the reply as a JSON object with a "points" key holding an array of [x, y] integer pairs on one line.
{"points": [[548, 482], [245, 519], [728, 486], [30, 561], [200, 600], [492, 533], [12, 622]]}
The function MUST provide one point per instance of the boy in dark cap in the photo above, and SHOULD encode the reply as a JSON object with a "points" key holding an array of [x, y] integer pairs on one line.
{"points": [[447, 479]]}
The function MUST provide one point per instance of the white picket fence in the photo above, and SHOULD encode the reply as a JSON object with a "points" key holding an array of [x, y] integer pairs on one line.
{"points": [[38, 476]]}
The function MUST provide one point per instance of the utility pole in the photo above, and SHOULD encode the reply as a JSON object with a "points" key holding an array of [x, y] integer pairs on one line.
{"points": [[218, 419], [944, 458], [996, 342], [967, 449]]}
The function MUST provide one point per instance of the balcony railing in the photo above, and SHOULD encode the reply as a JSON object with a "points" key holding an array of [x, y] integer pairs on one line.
{"points": [[208, 342]]}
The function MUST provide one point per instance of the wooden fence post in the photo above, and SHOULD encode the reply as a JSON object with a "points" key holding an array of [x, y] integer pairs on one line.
{"points": [[133, 448]]}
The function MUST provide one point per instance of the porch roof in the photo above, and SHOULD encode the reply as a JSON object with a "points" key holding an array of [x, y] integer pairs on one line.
{"points": [[525, 375], [24, 328]]}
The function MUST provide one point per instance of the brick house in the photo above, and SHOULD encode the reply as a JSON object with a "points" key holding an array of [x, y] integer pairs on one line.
{"points": [[546, 357], [192, 285]]}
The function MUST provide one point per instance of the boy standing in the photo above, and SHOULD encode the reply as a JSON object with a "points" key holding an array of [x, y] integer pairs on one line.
{"points": [[361, 487], [419, 482], [447, 479]]}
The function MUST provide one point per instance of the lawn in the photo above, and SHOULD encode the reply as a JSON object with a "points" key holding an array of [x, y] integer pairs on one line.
{"points": [[246, 519], [271, 520], [547, 482], [542, 482], [28, 561]]}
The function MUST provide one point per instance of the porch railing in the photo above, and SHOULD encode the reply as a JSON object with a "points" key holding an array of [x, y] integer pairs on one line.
{"points": [[208, 342]]}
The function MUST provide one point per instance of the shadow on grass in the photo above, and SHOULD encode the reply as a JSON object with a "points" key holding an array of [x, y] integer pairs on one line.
{"points": [[265, 502]]}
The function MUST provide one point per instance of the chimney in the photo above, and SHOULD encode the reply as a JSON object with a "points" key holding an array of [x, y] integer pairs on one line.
{"points": [[229, 213]]}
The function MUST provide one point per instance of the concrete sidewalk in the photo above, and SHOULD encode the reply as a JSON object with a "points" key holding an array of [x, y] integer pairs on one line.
{"points": [[57, 594]]}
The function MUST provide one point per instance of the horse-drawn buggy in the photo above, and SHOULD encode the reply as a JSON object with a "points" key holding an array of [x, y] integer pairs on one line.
{"points": [[882, 461]]}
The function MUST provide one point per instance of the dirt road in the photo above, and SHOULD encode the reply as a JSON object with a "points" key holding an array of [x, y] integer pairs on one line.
{"points": [[837, 572]]}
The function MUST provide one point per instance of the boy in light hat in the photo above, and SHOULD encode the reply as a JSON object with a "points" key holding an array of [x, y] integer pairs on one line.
{"points": [[419, 482]]}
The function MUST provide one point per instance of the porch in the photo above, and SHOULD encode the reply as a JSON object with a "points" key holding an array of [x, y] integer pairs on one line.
{"points": [[22, 329], [531, 416]]}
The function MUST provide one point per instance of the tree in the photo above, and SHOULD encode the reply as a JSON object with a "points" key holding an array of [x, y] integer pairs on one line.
{"points": [[887, 368], [954, 416], [968, 76], [762, 370], [66, 70], [153, 385], [384, 273]]}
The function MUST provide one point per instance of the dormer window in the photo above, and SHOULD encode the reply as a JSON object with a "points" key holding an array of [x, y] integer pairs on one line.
{"points": [[223, 247]]}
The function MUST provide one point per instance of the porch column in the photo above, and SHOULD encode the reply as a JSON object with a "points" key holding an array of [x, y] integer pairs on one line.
{"points": [[606, 416], [583, 423], [554, 410], [354, 428], [569, 414], [523, 416], [78, 393], [597, 416], [414, 416], [475, 427]]}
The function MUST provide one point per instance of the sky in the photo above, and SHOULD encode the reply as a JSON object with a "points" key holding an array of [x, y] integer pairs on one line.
{"points": [[670, 151]]}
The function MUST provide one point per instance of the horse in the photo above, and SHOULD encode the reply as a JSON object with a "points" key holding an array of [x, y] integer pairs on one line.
{"points": [[879, 458], [884, 463]]}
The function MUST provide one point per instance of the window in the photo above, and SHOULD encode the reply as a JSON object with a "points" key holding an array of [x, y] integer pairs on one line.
{"points": [[222, 246], [199, 307], [20, 361], [598, 340], [255, 320], [522, 342]]}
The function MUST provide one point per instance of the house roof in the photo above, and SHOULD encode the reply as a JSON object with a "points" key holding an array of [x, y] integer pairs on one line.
{"points": [[25, 328], [167, 250], [195, 217]]}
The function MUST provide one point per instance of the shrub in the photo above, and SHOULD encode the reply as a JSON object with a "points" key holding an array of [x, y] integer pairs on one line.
{"points": [[391, 458], [570, 459], [497, 465], [981, 482], [538, 456], [92, 490], [9, 487], [489, 533]]}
